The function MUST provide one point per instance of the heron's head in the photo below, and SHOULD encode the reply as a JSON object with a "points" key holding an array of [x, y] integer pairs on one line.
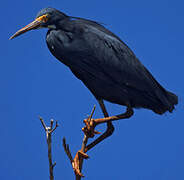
{"points": [[46, 18]]}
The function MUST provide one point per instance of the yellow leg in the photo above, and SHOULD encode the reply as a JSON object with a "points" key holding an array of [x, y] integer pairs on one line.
{"points": [[108, 119]]}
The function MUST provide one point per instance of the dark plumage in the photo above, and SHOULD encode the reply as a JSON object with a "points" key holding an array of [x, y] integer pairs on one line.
{"points": [[104, 63]]}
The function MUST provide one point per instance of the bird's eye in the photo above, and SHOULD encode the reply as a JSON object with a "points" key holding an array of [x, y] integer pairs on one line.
{"points": [[44, 18]]}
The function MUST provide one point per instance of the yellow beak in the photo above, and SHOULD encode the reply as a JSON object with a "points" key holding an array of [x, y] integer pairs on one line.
{"points": [[33, 25]]}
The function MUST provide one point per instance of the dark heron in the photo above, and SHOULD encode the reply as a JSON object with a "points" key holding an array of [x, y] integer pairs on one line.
{"points": [[104, 63]]}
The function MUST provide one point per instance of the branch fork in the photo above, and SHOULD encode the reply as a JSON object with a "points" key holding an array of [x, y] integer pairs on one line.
{"points": [[49, 130]]}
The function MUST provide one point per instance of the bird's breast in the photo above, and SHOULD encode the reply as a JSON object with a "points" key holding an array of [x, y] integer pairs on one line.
{"points": [[59, 44], [66, 47]]}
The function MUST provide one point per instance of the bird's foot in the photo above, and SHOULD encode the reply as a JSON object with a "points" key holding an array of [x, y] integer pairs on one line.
{"points": [[76, 162], [89, 129]]}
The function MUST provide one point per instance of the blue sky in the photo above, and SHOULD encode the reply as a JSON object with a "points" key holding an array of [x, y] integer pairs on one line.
{"points": [[33, 82]]}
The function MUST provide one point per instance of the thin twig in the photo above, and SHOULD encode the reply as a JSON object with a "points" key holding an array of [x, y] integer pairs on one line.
{"points": [[43, 123], [54, 127], [49, 131], [67, 150]]}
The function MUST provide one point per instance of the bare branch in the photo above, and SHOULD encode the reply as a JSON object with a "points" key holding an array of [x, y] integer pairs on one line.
{"points": [[77, 162], [49, 131], [67, 150], [56, 125], [43, 123], [84, 143]]}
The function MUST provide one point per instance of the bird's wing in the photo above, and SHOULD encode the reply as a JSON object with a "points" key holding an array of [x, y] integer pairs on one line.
{"points": [[114, 58]]}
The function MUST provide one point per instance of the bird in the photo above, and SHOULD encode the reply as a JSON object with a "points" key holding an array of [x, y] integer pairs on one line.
{"points": [[104, 63]]}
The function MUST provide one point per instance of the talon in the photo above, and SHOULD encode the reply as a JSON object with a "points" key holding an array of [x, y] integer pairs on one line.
{"points": [[83, 155], [89, 128], [97, 132], [76, 169], [76, 162]]}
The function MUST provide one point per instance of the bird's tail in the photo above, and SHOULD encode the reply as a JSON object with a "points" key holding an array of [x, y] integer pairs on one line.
{"points": [[168, 102], [173, 99]]}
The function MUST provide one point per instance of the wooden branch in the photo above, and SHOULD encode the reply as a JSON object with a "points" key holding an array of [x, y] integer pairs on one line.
{"points": [[67, 150], [90, 132], [49, 131], [77, 162], [84, 144]]}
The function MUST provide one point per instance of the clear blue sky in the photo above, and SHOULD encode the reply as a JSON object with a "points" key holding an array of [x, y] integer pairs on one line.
{"points": [[33, 82]]}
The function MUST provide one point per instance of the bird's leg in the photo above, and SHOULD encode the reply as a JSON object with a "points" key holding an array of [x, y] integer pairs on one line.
{"points": [[129, 112], [110, 128], [109, 131]]}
